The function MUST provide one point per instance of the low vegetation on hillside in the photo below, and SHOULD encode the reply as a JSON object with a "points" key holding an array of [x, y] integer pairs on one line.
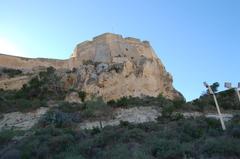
{"points": [[57, 136], [182, 138], [227, 100], [47, 86], [43, 87], [9, 72]]}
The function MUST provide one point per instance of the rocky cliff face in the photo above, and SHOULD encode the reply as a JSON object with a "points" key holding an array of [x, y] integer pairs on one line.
{"points": [[109, 66]]}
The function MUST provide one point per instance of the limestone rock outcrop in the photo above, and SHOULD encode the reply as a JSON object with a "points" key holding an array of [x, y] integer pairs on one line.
{"points": [[109, 66], [73, 97], [112, 66]]}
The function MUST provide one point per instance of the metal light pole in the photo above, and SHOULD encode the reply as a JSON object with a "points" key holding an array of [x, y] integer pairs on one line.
{"points": [[229, 86], [237, 89], [216, 103]]}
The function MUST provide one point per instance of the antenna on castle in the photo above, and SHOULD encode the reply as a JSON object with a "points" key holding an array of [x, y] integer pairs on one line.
{"points": [[216, 103]]}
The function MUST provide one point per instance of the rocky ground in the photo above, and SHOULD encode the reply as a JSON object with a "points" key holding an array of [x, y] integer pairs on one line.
{"points": [[24, 121]]}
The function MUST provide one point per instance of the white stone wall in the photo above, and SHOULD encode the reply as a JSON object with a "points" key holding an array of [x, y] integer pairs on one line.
{"points": [[106, 47]]}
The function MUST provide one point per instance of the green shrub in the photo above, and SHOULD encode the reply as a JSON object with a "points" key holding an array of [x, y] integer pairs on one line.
{"points": [[11, 154], [214, 87], [47, 85], [61, 142], [177, 116], [186, 138], [169, 148], [9, 103], [71, 153], [130, 101], [221, 146], [236, 119], [95, 131], [226, 99], [57, 119], [133, 135], [167, 110], [178, 103], [82, 95], [51, 70], [112, 103], [96, 108], [235, 132], [160, 101], [7, 135], [122, 102], [88, 62], [193, 130], [46, 143], [124, 123], [125, 151], [24, 105], [11, 72], [213, 123], [70, 107], [117, 67]]}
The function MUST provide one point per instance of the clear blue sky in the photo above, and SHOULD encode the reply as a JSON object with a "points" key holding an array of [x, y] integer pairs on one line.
{"points": [[197, 40]]}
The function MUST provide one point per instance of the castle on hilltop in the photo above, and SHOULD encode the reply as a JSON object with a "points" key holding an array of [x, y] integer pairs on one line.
{"points": [[109, 66], [106, 48], [111, 48]]}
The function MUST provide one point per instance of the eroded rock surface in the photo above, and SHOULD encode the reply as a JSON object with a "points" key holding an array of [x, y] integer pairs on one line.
{"points": [[112, 67], [73, 97], [15, 83], [132, 115], [22, 121]]}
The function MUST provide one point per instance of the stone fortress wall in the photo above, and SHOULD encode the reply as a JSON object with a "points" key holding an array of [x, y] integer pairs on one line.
{"points": [[16, 62], [111, 48], [106, 48]]}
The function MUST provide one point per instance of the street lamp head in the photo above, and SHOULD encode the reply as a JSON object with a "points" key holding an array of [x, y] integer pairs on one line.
{"points": [[228, 85]]}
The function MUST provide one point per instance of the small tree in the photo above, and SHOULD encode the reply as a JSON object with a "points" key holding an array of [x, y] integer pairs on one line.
{"points": [[51, 69], [214, 87]]}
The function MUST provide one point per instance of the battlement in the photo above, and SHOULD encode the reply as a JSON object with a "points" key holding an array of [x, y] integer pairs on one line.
{"points": [[105, 47], [133, 39], [106, 36]]}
